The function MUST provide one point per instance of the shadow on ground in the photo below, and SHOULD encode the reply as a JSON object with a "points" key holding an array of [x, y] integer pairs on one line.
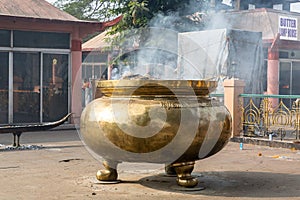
{"points": [[233, 184]]}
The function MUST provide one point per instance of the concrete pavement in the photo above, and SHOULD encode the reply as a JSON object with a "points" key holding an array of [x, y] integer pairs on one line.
{"points": [[62, 168]]}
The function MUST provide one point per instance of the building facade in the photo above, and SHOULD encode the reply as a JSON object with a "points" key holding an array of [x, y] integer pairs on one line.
{"points": [[279, 28], [95, 57], [281, 42], [40, 61]]}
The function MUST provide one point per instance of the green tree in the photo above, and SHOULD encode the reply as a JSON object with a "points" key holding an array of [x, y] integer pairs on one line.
{"points": [[82, 9], [137, 12], [137, 15]]}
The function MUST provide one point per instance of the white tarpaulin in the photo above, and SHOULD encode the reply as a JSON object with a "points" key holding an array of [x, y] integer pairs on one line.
{"points": [[222, 53]]}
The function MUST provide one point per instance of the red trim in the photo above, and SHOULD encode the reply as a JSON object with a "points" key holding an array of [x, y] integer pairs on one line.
{"points": [[86, 27], [45, 20], [287, 44], [76, 45], [112, 23], [282, 44]]}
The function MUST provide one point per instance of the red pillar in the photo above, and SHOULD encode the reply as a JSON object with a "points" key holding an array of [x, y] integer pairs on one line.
{"points": [[273, 75], [76, 60]]}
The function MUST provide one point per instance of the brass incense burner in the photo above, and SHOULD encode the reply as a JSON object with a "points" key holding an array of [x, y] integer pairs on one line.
{"points": [[173, 122]]}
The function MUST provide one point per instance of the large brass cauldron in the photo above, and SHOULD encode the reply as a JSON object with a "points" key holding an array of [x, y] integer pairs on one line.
{"points": [[159, 121]]}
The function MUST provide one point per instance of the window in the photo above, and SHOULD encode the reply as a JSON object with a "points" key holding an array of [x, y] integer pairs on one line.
{"points": [[295, 7], [31, 39], [278, 6], [4, 38], [55, 86], [288, 84], [39, 89], [251, 6], [26, 81], [93, 65], [3, 87]]}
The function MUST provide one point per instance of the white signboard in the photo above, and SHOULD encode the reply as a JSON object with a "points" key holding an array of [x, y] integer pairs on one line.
{"points": [[287, 28]]}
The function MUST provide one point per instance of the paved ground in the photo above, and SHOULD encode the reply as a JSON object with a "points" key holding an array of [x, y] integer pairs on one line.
{"points": [[63, 169]]}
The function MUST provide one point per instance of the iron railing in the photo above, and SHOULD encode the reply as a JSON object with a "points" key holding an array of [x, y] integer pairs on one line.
{"points": [[260, 118]]}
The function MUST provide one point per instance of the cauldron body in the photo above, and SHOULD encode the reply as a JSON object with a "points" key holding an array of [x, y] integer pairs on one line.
{"points": [[171, 122]]}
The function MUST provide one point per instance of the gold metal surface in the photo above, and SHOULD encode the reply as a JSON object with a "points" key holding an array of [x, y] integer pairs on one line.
{"points": [[109, 174], [184, 177], [153, 104], [251, 116], [266, 119], [154, 87], [296, 118], [281, 115]]}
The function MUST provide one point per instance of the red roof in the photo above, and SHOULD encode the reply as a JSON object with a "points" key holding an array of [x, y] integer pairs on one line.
{"points": [[42, 12], [33, 9]]}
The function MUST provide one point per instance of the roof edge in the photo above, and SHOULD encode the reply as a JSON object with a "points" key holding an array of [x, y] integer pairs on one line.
{"points": [[101, 25]]}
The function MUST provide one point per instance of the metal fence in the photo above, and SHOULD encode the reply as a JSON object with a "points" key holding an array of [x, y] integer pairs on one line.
{"points": [[262, 119]]}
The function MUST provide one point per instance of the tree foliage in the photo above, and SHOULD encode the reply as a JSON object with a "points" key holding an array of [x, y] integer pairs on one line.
{"points": [[136, 13], [81, 9], [180, 15]]}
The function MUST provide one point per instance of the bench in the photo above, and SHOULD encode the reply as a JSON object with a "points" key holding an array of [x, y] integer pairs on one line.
{"points": [[18, 129]]}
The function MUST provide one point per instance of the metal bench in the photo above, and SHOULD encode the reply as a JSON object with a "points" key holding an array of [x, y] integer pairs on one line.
{"points": [[18, 129]]}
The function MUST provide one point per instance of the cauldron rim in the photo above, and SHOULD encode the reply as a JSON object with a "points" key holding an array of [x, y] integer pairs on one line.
{"points": [[155, 87]]}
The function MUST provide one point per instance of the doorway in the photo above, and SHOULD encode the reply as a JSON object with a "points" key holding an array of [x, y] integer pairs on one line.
{"points": [[40, 87], [289, 73]]}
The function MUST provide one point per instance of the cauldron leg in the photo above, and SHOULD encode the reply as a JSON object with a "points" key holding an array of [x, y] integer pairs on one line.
{"points": [[170, 171], [184, 177], [109, 173]]}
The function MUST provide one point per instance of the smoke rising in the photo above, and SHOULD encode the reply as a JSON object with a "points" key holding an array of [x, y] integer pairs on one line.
{"points": [[156, 54], [192, 47]]}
